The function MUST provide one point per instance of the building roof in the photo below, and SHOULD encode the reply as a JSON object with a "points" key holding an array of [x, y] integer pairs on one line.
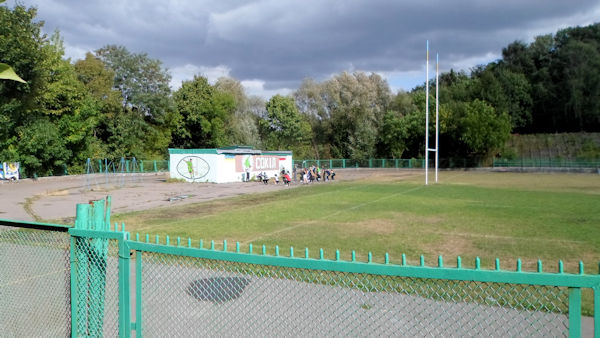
{"points": [[235, 150]]}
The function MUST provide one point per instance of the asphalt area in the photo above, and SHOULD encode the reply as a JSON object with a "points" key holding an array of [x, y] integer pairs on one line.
{"points": [[55, 198]]}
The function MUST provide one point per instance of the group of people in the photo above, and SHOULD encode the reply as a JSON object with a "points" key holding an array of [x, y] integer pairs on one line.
{"points": [[307, 175], [317, 174], [285, 176]]}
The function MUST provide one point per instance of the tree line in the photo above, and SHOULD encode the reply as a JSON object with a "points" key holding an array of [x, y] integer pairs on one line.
{"points": [[116, 103]]}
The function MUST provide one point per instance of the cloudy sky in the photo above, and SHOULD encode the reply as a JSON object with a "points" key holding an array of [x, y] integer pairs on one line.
{"points": [[271, 45]]}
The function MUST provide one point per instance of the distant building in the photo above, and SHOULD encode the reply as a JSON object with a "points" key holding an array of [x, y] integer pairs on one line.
{"points": [[228, 164]]}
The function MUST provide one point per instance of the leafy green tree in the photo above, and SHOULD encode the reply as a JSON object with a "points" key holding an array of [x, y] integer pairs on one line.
{"points": [[42, 149], [142, 81], [23, 47], [479, 129], [284, 127], [204, 112], [242, 125], [506, 91], [147, 111], [50, 101]]}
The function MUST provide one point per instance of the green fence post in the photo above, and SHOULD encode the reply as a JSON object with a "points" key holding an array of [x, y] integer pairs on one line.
{"points": [[330, 163], [597, 312], [574, 312], [410, 163], [142, 166], [155, 169], [124, 289], [88, 274], [97, 254], [79, 271], [383, 163], [99, 165], [370, 163], [138, 294], [344, 163]]}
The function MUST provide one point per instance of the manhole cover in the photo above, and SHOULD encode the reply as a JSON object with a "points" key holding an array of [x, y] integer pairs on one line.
{"points": [[217, 289]]}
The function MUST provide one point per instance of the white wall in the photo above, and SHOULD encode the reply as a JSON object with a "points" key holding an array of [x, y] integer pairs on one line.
{"points": [[221, 168]]}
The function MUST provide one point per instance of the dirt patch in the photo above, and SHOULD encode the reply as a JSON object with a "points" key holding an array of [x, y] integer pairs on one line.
{"points": [[55, 198], [372, 226]]}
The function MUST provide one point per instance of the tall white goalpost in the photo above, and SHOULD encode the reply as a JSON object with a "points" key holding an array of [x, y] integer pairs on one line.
{"points": [[427, 149]]}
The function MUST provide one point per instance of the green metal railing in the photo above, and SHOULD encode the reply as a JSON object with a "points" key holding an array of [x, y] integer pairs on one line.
{"points": [[546, 163], [158, 287], [417, 163], [370, 163], [446, 163]]}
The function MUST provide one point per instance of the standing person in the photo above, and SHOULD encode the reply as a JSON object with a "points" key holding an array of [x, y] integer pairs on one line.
{"points": [[332, 175], [247, 174], [294, 171], [276, 179], [265, 178]]}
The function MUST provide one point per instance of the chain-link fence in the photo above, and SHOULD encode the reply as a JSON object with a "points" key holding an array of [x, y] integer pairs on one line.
{"points": [[34, 283], [93, 281], [208, 297], [545, 163], [447, 163], [97, 282]]}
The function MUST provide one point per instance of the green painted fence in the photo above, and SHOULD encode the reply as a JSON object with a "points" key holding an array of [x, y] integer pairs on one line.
{"points": [[546, 163], [97, 281], [447, 163]]}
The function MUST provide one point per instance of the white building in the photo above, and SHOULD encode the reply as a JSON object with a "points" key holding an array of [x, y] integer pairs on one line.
{"points": [[229, 164]]}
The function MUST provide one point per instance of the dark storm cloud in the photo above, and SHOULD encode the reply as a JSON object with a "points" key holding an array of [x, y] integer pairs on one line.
{"points": [[281, 42]]}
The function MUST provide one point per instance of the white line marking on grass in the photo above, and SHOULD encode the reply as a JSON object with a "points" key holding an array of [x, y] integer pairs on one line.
{"points": [[462, 234], [252, 206], [332, 214]]}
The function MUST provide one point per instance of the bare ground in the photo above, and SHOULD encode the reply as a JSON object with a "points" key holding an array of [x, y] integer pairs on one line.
{"points": [[55, 198]]}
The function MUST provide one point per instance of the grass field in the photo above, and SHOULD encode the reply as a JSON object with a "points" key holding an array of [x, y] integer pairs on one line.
{"points": [[485, 214]]}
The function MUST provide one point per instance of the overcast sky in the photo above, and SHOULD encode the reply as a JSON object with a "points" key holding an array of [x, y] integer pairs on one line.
{"points": [[272, 45]]}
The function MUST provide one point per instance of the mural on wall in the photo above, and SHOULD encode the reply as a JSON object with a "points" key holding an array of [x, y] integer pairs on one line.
{"points": [[193, 167], [256, 163]]}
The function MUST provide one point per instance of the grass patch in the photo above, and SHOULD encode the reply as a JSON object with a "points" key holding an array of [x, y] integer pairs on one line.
{"points": [[508, 216], [504, 215]]}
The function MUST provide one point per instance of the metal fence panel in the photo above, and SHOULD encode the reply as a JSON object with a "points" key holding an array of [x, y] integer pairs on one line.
{"points": [[185, 296], [97, 278], [34, 283]]}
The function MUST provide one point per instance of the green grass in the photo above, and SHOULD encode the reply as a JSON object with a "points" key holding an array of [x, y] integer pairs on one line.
{"points": [[489, 215]]}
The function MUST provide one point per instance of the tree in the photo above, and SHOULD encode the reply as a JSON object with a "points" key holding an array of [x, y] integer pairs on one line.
{"points": [[49, 103], [480, 129], [242, 125], [204, 112], [142, 81], [346, 112], [147, 110], [42, 150], [506, 91], [283, 128]]}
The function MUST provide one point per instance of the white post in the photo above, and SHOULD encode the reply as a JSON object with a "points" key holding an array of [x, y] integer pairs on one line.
{"points": [[437, 149], [427, 115]]}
